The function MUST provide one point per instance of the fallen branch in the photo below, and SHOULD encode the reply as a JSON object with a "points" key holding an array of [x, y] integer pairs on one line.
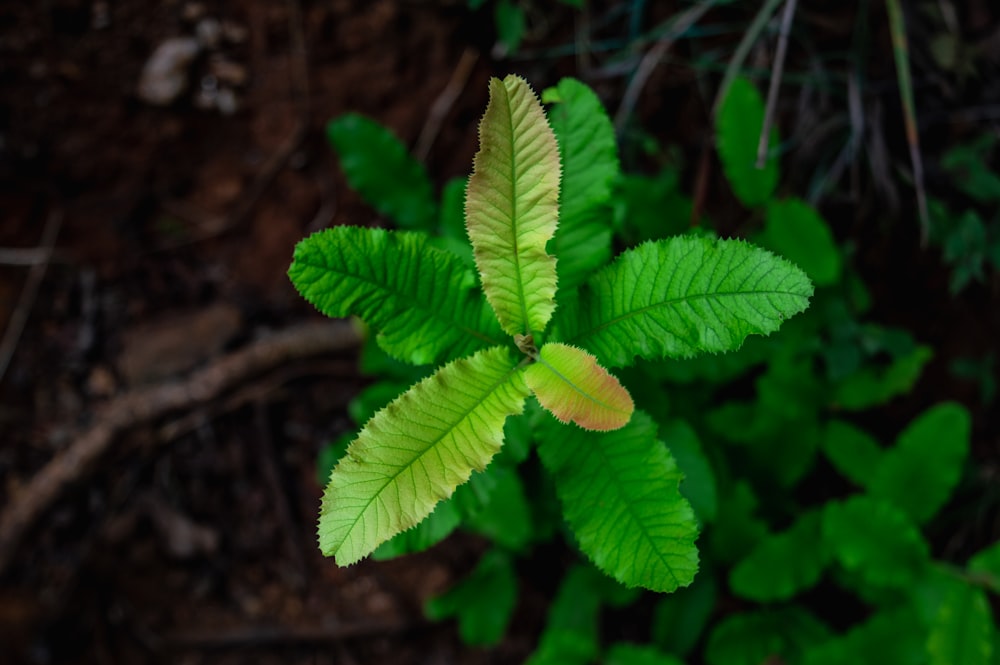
{"points": [[145, 404]]}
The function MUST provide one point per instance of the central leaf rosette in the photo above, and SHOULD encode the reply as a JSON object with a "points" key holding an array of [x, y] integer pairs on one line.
{"points": [[422, 446]]}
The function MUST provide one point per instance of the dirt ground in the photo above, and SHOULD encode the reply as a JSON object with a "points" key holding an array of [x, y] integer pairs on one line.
{"points": [[190, 536]]}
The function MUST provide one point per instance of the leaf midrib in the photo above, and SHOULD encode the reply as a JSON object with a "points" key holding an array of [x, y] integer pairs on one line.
{"points": [[672, 302], [425, 307], [513, 213], [432, 445], [572, 385]]}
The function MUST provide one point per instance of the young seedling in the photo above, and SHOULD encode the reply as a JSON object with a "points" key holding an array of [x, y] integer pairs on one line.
{"points": [[502, 338]]}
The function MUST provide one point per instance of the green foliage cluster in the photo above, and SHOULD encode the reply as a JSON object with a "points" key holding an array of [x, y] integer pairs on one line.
{"points": [[969, 238], [743, 435]]}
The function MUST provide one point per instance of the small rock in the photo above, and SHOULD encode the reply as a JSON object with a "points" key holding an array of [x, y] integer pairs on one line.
{"points": [[101, 382], [209, 32], [165, 75], [193, 11], [228, 72]]}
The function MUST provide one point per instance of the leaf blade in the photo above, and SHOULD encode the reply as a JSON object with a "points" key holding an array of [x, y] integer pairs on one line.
{"points": [[511, 207], [570, 384], [378, 166], [644, 533], [417, 450], [681, 296], [423, 302], [589, 154]]}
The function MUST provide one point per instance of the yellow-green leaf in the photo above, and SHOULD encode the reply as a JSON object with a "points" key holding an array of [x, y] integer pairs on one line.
{"points": [[511, 207], [417, 450], [568, 382]]}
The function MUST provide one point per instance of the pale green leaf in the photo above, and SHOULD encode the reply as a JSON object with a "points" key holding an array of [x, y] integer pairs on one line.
{"points": [[962, 632], [919, 473], [644, 533], [417, 450], [984, 567], [483, 602], [512, 207], [683, 296], [875, 540], [423, 302], [794, 229], [381, 170], [570, 384], [784, 563], [855, 453], [589, 155], [738, 126]]}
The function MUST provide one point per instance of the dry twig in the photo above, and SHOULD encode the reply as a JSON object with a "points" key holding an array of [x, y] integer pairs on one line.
{"points": [[442, 105], [146, 404], [772, 92], [19, 318]]}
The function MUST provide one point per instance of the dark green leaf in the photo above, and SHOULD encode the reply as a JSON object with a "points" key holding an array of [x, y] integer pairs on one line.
{"points": [[783, 564], [483, 602], [919, 473], [795, 230], [381, 170], [738, 126]]}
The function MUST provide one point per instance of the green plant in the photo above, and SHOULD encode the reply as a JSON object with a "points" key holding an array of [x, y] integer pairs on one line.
{"points": [[670, 298]]}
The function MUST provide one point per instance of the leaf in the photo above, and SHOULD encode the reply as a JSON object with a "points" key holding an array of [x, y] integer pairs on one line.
{"points": [[794, 229], [737, 133], [682, 296], [873, 386], [589, 155], [512, 207], [378, 167], [738, 528], [984, 567], [509, 20], [754, 638], [423, 302], [680, 618], [571, 385], [852, 451], [453, 237], [506, 517], [698, 485], [890, 637], [644, 532], [784, 563], [570, 635], [483, 602], [417, 450], [650, 207], [962, 632], [875, 540], [624, 653], [919, 473]]}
